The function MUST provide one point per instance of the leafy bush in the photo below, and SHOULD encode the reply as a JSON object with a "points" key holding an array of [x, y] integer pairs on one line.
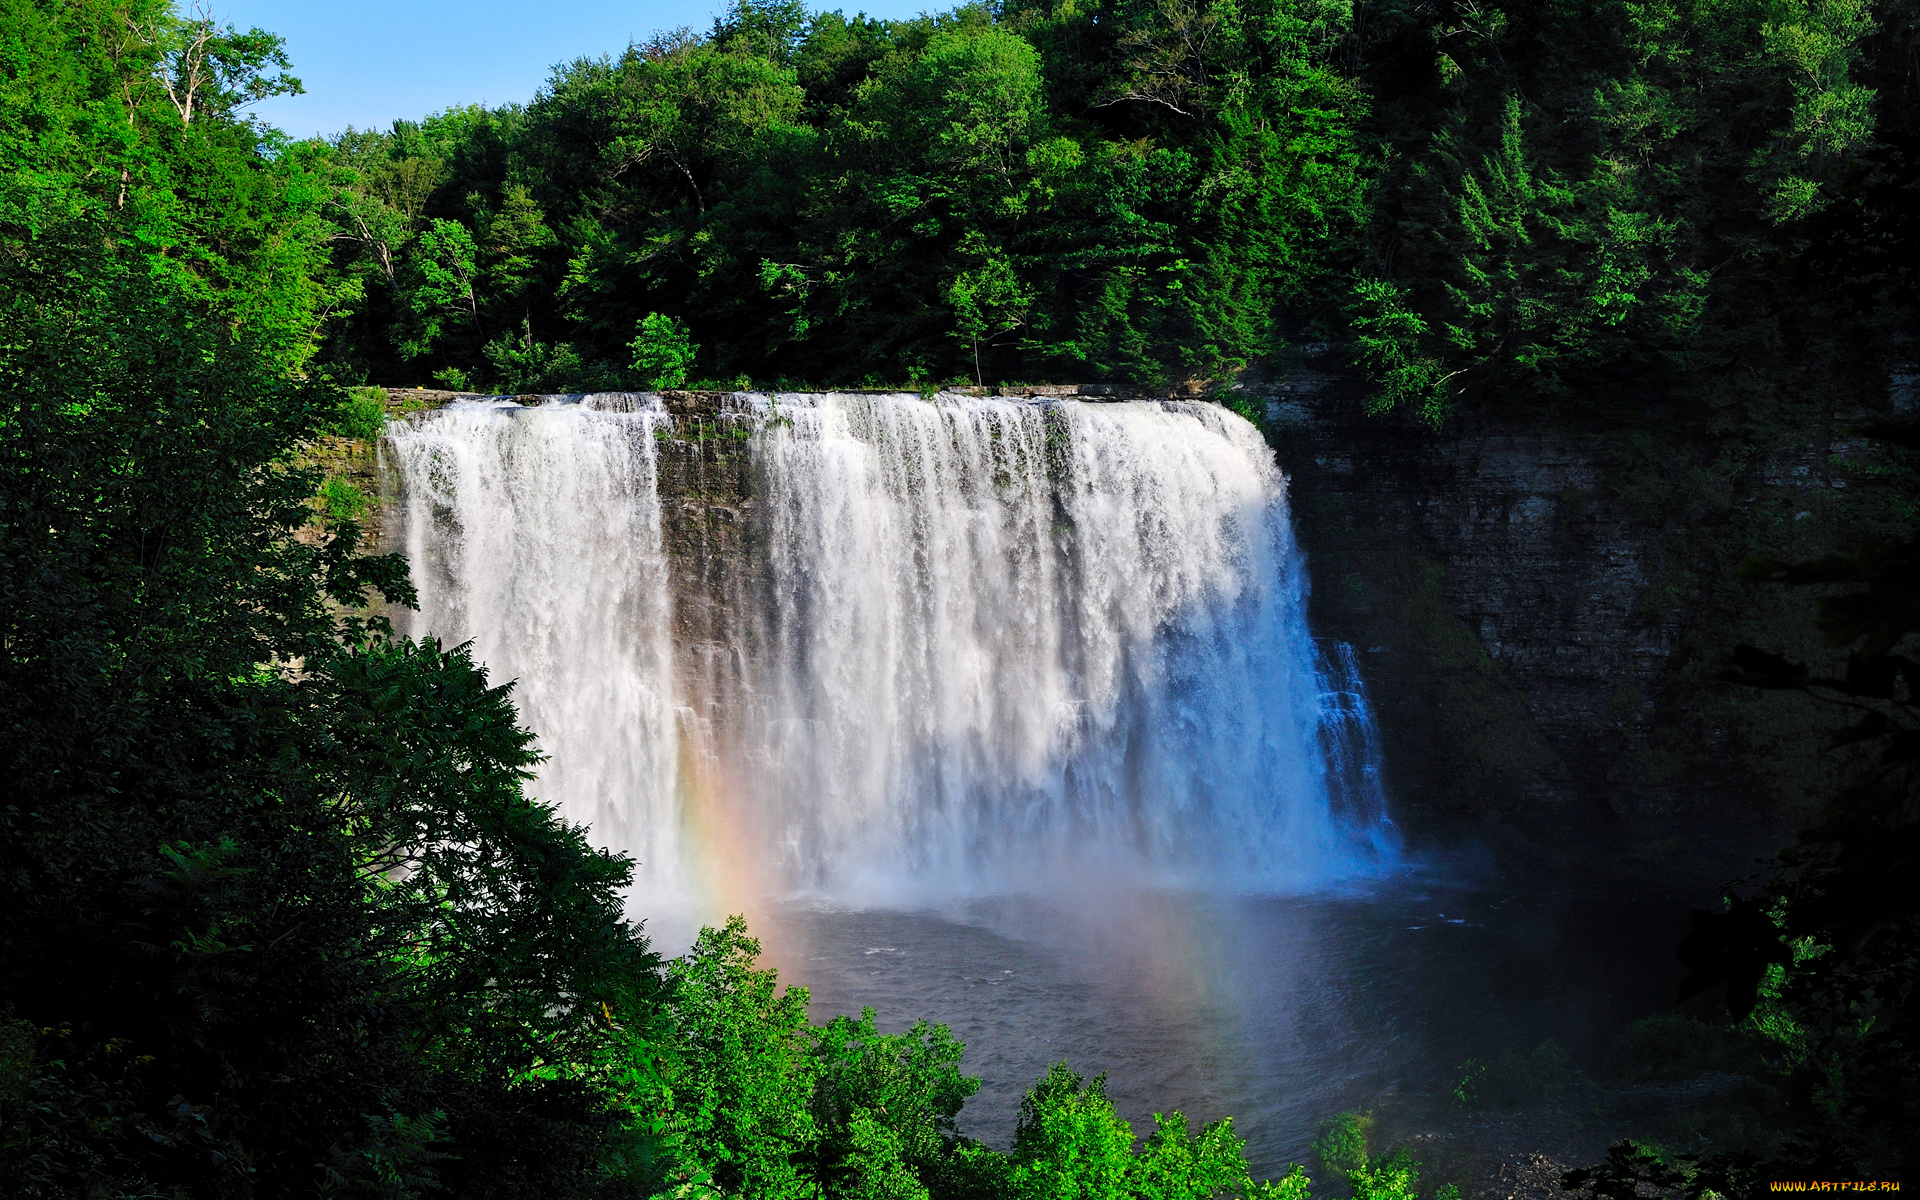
{"points": [[1342, 1149], [1343, 1144], [1514, 1078], [1469, 1083], [363, 415], [1393, 1176], [1071, 1143], [663, 351], [1541, 1074], [1676, 1046], [521, 364], [342, 500]]}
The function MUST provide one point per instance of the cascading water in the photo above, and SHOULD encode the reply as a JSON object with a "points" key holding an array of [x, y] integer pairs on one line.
{"points": [[1351, 742], [535, 532], [992, 638]]}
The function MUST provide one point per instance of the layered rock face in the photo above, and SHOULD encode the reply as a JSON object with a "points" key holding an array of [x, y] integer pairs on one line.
{"points": [[1544, 612], [1497, 595], [713, 525]]}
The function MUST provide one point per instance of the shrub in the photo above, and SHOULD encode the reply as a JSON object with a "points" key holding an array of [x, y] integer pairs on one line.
{"points": [[1514, 1078], [1676, 1046], [1071, 1144], [342, 500], [663, 351], [1343, 1144], [1392, 1177], [1542, 1074], [363, 415], [1470, 1079], [521, 364]]}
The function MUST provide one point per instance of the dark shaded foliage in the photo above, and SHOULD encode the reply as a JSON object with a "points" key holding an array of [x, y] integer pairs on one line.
{"points": [[1820, 957]]}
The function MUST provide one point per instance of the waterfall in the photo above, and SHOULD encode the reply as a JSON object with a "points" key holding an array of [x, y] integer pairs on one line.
{"points": [[535, 533], [1350, 740], [988, 642]]}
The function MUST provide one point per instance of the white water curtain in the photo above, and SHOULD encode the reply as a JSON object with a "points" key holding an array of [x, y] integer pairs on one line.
{"points": [[1008, 641]]}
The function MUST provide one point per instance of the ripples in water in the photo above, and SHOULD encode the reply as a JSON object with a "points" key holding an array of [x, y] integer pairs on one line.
{"points": [[1278, 1011]]}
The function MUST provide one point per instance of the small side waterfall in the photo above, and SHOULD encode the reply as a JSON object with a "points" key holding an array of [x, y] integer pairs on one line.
{"points": [[1350, 740], [988, 641]]}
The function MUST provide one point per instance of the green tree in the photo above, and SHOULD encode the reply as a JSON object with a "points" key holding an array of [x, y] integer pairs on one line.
{"points": [[1070, 1143], [989, 302], [740, 1077], [1817, 45], [442, 288], [663, 350], [1343, 1144], [278, 917], [886, 1106]]}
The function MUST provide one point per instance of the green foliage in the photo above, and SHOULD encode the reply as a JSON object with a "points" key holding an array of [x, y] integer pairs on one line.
{"points": [[342, 500], [875, 1163], [443, 279], [1816, 46], [912, 1080], [1677, 1046], [979, 194], [1070, 1143], [1386, 336], [521, 364], [662, 351], [988, 302], [1594, 203], [1392, 1177], [278, 916], [1343, 1149], [1343, 1144], [1513, 1078], [364, 415], [1540, 1074], [740, 1076], [1469, 1083]]}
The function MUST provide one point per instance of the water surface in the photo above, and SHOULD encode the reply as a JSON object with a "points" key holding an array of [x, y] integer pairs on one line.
{"points": [[1279, 1011]]}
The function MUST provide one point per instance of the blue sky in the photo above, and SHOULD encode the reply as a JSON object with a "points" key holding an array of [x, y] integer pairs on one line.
{"points": [[365, 63]]}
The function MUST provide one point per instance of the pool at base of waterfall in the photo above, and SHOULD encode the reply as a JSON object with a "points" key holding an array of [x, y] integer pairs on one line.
{"points": [[1278, 1011]]}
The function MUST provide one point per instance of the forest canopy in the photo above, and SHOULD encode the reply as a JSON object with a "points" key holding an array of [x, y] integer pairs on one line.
{"points": [[1137, 193], [1558, 200]]}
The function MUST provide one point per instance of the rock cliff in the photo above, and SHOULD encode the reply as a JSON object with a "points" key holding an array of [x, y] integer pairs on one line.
{"points": [[1495, 594]]}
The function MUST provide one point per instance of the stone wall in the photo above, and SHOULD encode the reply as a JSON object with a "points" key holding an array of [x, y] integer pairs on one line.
{"points": [[711, 523]]}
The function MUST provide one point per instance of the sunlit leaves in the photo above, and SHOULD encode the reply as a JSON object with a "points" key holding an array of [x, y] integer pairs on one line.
{"points": [[973, 95], [871, 162], [1387, 337], [662, 351], [989, 300], [1548, 276], [1070, 1144], [1816, 42]]}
